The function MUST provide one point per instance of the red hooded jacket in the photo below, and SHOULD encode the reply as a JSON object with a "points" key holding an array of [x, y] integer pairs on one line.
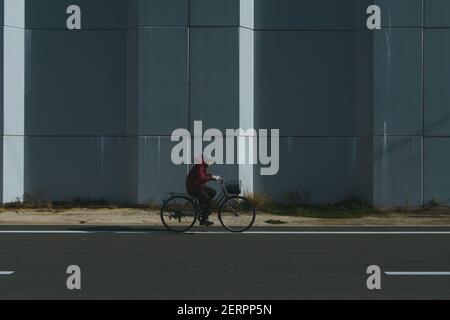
{"points": [[197, 178]]}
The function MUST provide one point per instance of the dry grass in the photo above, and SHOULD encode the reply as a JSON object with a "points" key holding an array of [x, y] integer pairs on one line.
{"points": [[258, 200]]}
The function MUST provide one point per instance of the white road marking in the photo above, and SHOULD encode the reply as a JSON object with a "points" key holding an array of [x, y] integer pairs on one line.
{"points": [[74, 232], [6, 273], [447, 274], [43, 232], [331, 233]]}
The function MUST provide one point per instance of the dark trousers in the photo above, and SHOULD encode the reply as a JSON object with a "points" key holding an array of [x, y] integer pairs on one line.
{"points": [[205, 197]]}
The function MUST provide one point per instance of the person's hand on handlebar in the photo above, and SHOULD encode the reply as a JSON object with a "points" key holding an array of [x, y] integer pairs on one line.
{"points": [[217, 178]]}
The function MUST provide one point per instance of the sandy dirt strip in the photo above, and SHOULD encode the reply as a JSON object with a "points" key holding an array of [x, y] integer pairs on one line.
{"points": [[151, 218]]}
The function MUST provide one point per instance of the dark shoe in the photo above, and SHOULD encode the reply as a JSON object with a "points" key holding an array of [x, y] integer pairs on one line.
{"points": [[206, 223]]}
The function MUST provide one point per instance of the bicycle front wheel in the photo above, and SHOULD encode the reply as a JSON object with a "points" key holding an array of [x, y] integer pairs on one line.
{"points": [[237, 214], [178, 214]]}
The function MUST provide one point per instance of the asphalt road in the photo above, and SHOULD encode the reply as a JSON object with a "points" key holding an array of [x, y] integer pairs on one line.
{"points": [[281, 263]]}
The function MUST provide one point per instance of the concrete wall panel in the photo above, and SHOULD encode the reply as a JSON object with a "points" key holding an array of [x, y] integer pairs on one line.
{"points": [[75, 83], [215, 13], [437, 82], [1, 171], [14, 81], [98, 14], [317, 169], [157, 175], [214, 77], [363, 89], [398, 166], [437, 13], [363, 169], [294, 14], [13, 13], [13, 168], [158, 12], [163, 80], [2, 70], [395, 13], [247, 14], [304, 82], [12, 95], [398, 82], [2, 12], [89, 168], [437, 170]]}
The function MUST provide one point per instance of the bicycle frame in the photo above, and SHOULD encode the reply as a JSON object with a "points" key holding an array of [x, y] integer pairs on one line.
{"points": [[218, 200], [223, 196]]}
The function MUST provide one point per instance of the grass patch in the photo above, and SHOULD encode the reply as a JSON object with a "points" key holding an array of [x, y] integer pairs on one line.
{"points": [[350, 209], [297, 206]]}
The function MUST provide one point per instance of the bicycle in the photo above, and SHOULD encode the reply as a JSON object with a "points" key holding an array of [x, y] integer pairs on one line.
{"points": [[180, 212]]}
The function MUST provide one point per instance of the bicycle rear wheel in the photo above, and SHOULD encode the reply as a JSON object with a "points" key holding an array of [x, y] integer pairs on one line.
{"points": [[237, 214], [178, 214]]}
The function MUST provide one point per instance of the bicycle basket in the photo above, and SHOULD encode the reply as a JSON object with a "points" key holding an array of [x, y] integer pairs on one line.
{"points": [[234, 187]]}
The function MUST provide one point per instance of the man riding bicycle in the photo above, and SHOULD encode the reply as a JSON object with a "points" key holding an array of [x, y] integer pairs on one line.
{"points": [[196, 187]]}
